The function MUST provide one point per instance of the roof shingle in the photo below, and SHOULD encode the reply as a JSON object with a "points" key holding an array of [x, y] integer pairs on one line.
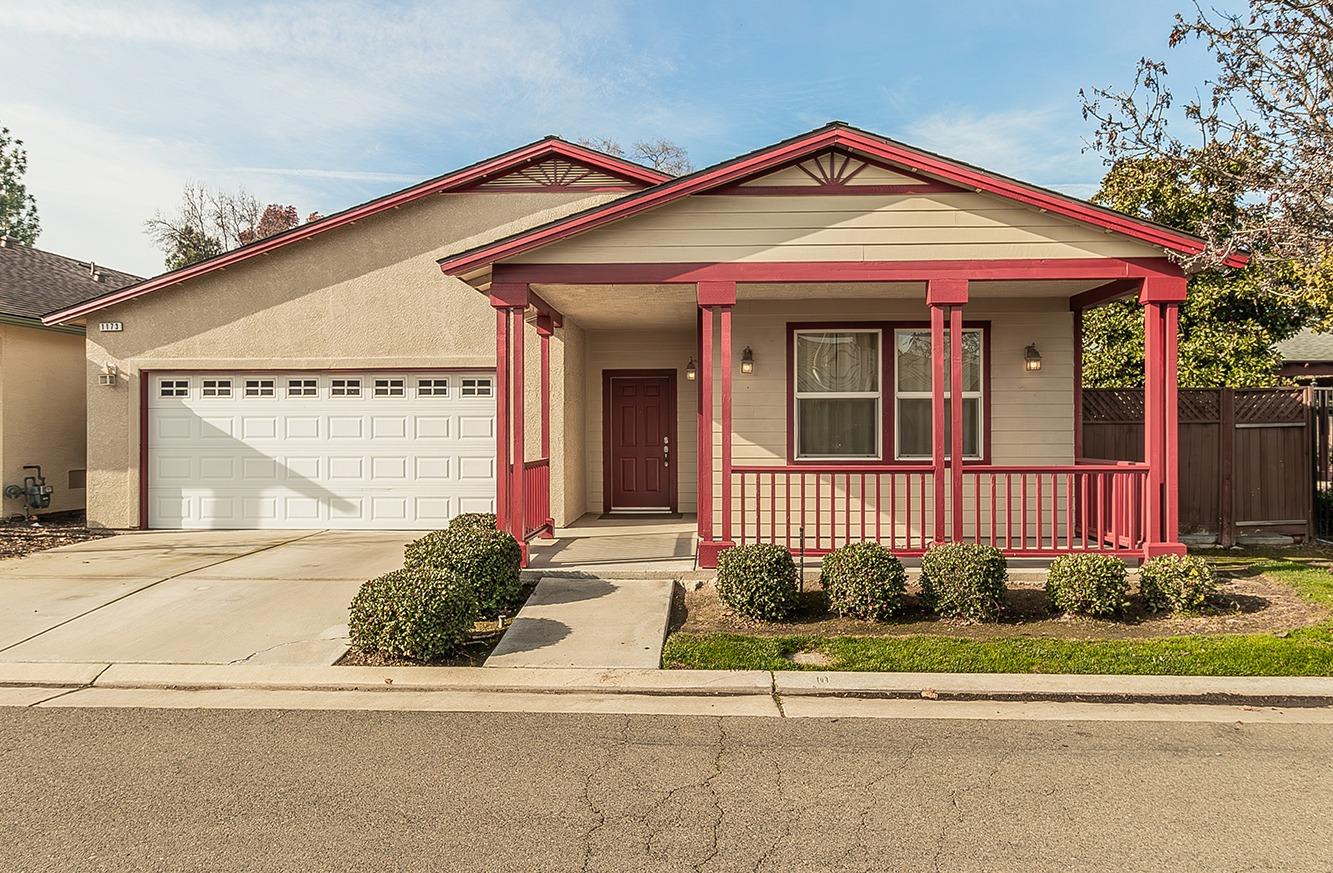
{"points": [[34, 282]]}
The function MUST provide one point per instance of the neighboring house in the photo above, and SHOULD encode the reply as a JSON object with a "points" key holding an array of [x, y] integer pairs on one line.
{"points": [[43, 370], [820, 296], [1307, 358]]}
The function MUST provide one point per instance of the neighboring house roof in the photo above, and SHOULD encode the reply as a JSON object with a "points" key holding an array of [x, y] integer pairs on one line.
{"points": [[1307, 346], [542, 165], [787, 152], [33, 281]]}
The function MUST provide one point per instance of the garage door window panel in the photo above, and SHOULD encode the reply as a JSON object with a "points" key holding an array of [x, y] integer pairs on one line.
{"points": [[345, 388], [260, 388]]}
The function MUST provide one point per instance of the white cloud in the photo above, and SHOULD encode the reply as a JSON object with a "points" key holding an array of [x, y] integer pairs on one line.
{"points": [[1035, 144]]}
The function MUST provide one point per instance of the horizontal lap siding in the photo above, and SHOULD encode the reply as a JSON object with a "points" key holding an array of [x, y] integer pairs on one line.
{"points": [[871, 227], [1032, 414]]}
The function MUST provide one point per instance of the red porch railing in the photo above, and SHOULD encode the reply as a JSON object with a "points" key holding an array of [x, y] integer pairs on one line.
{"points": [[1023, 510], [537, 498]]}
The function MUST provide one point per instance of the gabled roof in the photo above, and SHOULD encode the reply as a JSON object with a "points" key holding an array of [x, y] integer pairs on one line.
{"points": [[836, 134], [605, 168], [33, 281]]}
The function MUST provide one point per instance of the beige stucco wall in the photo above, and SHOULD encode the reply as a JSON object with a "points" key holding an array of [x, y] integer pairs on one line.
{"points": [[366, 295], [42, 405], [863, 227]]}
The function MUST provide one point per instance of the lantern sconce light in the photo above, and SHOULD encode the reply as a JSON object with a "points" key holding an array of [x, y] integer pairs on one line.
{"points": [[691, 371], [747, 361], [1031, 358]]}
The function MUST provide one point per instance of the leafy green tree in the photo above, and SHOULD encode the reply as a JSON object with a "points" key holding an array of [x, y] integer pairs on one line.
{"points": [[18, 208], [1232, 319]]}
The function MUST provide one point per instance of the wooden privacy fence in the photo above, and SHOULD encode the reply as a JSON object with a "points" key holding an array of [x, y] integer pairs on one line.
{"points": [[1245, 455]]}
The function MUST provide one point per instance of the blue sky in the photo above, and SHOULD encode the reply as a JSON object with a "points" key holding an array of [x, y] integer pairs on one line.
{"points": [[327, 104]]}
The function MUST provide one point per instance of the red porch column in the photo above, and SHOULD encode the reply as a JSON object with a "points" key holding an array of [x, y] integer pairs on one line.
{"points": [[545, 329], [510, 302], [1161, 297], [946, 296], [719, 296]]}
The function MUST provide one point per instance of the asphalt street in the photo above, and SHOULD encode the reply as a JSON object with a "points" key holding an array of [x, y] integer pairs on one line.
{"points": [[199, 790]]}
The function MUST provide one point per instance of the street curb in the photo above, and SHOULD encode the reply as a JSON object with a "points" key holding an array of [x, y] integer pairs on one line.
{"points": [[558, 680], [1262, 690], [1252, 690]]}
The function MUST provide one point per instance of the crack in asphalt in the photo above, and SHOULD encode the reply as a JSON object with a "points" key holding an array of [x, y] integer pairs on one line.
{"points": [[948, 822], [600, 814]]}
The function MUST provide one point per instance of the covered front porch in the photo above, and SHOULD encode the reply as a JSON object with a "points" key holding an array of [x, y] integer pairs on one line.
{"points": [[813, 413]]}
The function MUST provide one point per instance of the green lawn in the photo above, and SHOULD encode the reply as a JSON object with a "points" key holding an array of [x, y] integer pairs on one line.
{"points": [[1304, 652]]}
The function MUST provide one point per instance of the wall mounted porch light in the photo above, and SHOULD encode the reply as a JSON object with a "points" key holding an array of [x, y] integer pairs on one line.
{"points": [[1031, 358], [691, 372], [747, 361]]}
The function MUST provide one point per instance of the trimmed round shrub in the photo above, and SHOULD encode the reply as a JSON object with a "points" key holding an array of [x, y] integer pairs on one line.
{"points": [[1180, 583], [485, 520], [758, 581], [1094, 585], [486, 558], [418, 613], [964, 580], [863, 580]]}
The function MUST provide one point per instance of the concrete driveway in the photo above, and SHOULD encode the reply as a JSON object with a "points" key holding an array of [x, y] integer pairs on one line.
{"points": [[196, 597]]}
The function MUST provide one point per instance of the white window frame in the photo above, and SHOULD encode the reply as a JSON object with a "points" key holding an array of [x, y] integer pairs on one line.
{"points": [[480, 386], [173, 388], [978, 395], [261, 388], [432, 386], [302, 387], [350, 386], [215, 388], [389, 386], [798, 395]]}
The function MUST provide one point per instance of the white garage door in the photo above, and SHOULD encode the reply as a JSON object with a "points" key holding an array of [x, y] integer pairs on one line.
{"points": [[314, 450]]}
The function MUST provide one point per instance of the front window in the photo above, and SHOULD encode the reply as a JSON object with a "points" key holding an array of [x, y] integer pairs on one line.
{"points": [[912, 400], [838, 396]]}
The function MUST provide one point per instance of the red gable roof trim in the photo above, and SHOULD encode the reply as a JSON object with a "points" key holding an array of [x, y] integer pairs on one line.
{"points": [[836, 134], [465, 178]]}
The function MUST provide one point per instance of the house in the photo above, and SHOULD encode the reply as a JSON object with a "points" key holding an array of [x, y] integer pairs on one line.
{"points": [[1307, 358], [43, 372], [771, 344]]}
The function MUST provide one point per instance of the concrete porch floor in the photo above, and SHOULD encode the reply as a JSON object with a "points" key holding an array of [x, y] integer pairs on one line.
{"points": [[623, 547]]}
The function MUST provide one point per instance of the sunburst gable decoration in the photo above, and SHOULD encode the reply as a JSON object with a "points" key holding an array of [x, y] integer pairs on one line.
{"points": [[557, 174], [837, 171]]}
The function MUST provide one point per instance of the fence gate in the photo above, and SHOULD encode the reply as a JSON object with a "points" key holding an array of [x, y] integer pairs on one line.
{"points": [[1321, 431], [1245, 454]]}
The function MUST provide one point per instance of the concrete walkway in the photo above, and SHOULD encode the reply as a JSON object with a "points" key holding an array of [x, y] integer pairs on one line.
{"points": [[598, 623], [219, 597]]}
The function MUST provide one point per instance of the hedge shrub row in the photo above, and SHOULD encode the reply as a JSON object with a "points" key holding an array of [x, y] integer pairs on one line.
{"points": [[450, 578], [1095, 585], [865, 581]]}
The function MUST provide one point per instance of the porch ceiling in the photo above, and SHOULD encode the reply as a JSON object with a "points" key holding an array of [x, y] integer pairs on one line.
{"points": [[604, 307]]}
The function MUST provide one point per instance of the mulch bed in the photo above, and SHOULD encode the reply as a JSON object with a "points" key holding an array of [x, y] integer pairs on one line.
{"points": [[19, 537], [1245, 604]]}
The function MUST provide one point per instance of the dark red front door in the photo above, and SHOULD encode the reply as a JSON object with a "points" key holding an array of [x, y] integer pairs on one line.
{"points": [[642, 450]]}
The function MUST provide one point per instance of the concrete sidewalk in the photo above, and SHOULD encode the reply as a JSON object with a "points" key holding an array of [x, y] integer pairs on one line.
{"points": [[711, 692]]}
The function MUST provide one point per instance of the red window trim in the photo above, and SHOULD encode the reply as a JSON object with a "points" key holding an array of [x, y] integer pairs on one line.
{"points": [[887, 387]]}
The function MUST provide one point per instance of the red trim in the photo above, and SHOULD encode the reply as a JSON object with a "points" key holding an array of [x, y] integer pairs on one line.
{"points": [[716, 293], [1094, 297], [145, 386], [673, 481], [956, 417], [809, 144], [829, 188], [937, 414], [887, 377], [704, 449], [518, 502], [1078, 383], [450, 182], [946, 292], [502, 420], [726, 367], [1015, 269]]}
